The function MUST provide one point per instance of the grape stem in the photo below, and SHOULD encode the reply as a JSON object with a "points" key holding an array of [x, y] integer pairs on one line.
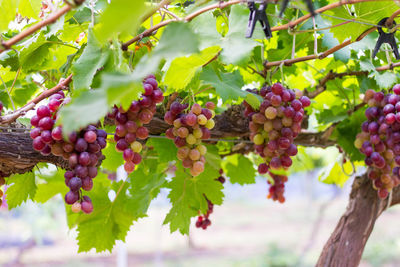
{"points": [[6, 119]]}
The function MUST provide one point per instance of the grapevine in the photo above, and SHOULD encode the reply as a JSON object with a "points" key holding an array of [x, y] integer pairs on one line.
{"points": [[82, 150], [130, 123], [379, 139], [273, 128], [189, 128]]}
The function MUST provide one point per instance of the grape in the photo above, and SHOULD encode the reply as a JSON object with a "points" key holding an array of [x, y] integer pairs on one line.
{"points": [[46, 123], [87, 184], [277, 88], [38, 143], [84, 159], [87, 206], [396, 89], [76, 207], [137, 158], [43, 111], [263, 168], [75, 184], [71, 197], [128, 154], [90, 136], [271, 113], [129, 167]]}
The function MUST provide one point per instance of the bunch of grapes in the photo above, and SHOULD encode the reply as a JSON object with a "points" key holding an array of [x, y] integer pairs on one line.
{"points": [[277, 189], [274, 127], [2, 182], [82, 150], [189, 128], [379, 139], [203, 221], [130, 123]]}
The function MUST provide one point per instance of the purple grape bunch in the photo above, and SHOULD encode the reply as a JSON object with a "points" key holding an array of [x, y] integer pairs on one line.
{"points": [[82, 149], [379, 139]]}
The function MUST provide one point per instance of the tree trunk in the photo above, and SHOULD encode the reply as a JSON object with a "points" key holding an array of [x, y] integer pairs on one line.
{"points": [[346, 244]]}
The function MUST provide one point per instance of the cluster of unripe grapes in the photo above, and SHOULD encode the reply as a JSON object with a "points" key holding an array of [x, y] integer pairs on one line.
{"points": [[2, 182], [189, 128], [203, 221], [82, 150], [130, 123], [379, 139], [275, 125]]}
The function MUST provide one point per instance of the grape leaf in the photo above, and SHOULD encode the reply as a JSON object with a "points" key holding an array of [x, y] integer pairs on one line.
{"points": [[110, 218], [92, 58], [187, 196], [34, 53], [227, 85], [144, 188], [113, 158], [29, 8], [182, 69], [165, 148], [239, 169], [88, 108], [8, 11], [22, 187], [120, 16]]}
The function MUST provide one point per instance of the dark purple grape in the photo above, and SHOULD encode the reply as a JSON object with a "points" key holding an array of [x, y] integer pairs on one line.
{"points": [[81, 145], [81, 171], [75, 184], [121, 118], [84, 159], [92, 172], [71, 197], [87, 184]]}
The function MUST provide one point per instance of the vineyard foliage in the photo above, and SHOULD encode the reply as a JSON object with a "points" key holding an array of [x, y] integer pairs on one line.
{"points": [[202, 59]]}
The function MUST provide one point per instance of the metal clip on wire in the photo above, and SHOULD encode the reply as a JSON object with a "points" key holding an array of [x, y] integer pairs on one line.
{"points": [[386, 38], [308, 3], [258, 14]]}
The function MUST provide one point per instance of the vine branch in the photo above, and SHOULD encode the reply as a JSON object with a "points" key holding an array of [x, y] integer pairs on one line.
{"points": [[6, 119], [222, 5], [31, 30]]}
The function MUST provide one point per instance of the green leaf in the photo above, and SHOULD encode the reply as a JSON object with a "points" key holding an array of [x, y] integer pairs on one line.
{"points": [[145, 187], [183, 69], [35, 52], [385, 79], [227, 85], [22, 187], [239, 169], [8, 10], [29, 8], [333, 173], [165, 148], [88, 108], [93, 57], [187, 196], [236, 49], [110, 218], [120, 16], [54, 185], [113, 158]]}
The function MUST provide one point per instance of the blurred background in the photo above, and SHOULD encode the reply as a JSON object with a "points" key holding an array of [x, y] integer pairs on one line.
{"points": [[247, 230]]}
